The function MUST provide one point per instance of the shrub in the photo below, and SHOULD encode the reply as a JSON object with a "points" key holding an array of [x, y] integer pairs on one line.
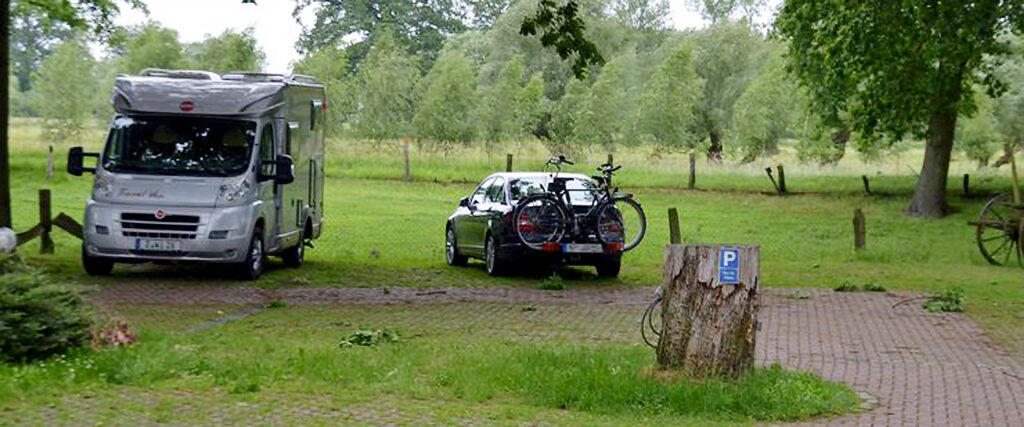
{"points": [[37, 319], [949, 300], [369, 338]]}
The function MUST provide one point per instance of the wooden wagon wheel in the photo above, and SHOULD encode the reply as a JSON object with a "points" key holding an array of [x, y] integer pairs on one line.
{"points": [[999, 231]]}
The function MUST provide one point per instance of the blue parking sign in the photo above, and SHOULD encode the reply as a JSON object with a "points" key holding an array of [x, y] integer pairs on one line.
{"points": [[729, 267]]}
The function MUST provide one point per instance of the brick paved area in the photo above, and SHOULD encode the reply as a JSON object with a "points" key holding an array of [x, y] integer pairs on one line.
{"points": [[915, 367]]}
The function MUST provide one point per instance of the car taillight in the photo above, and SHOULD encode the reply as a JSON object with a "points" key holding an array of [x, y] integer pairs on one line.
{"points": [[613, 248], [525, 225], [551, 247]]}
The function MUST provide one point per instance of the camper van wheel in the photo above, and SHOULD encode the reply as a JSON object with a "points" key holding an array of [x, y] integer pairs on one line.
{"points": [[295, 255], [95, 266], [252, 266]]}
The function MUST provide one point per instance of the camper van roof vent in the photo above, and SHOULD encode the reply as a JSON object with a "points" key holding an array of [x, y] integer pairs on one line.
{"points": [[249, 76], [180, 74], [304, 79]]}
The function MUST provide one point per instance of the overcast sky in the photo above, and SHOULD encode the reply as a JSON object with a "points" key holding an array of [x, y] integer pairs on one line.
{"points": [[272, 20]]}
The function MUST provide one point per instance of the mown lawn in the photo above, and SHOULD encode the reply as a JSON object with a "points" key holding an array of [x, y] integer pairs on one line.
{"points": [[386, 232]]}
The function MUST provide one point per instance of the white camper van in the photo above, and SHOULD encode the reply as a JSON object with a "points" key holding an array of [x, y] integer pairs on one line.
{"points": [[202, 167]]}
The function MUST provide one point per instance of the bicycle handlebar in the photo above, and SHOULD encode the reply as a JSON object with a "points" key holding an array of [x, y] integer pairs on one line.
{"points": [[559, 160]]}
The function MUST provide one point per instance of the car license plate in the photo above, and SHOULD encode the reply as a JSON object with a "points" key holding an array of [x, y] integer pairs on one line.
{"points": [[583, 248], [157, 245]]}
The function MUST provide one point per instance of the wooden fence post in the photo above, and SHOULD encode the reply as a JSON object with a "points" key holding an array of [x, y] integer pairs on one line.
{"points": [[867, 187], [709, 309], [1016, 180], [692, 182], [782, 180], [675, 237], [406, 169], [859, 230], [49, 164], [46, 222], [967, 185], [611, 159], [508, 162]]}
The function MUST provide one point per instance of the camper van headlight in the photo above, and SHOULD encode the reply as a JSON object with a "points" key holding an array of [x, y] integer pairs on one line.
{"points": [[234, 191], [102, 187]]}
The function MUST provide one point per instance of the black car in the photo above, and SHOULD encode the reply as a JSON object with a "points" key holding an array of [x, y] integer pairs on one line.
{"points": [[482, 227]]}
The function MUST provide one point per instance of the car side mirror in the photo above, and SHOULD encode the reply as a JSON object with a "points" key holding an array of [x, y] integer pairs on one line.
{"points": [[284, 173], [464, 202], [76, 161]]}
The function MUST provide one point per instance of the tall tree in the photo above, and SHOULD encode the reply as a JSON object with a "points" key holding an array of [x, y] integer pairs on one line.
{"points": [[420, 27], [903, 67], [387, 84], [977, 134], [445, 112], [95, 14], [566, 118], [66, 87], [641, 15], [668, 109], [725, 75], [151, 46], [531, 108], [330, 66], [486, 12], [1008, 110], [496, 112], [606, 119], [33, 36], [230, 51], [724, 10], [766, 111]]}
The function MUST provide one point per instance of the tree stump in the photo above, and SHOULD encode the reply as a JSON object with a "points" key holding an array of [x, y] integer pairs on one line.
{"points": [[709, 309]]}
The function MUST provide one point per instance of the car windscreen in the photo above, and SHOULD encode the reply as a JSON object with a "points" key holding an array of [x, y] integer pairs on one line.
{"points": [[581, 191], [179, 146]]}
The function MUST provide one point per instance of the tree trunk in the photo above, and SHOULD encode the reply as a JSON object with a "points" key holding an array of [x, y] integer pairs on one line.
{"points": [[5, 177], [709, 325], [715, 150], [839, 140], [929, 198]]}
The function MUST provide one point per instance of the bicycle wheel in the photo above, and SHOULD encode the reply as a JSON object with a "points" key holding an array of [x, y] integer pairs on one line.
{"points": [[621, 220], [539, 219]]}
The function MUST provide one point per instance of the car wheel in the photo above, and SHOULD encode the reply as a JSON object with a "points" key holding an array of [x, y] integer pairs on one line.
{"points": [[451, 250], [495, 265], [96, 266], [296, 255], [609, 267], [255, 257]]}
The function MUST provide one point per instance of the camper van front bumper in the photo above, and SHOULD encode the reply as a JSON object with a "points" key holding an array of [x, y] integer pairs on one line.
{"points": [[148, 233]]}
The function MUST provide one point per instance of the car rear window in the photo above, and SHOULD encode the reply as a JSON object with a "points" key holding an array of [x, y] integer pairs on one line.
{"points": [[581, 191]]}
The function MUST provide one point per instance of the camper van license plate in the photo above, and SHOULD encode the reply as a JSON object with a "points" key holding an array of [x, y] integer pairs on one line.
{"points": [[157, 245], [582, 248]]}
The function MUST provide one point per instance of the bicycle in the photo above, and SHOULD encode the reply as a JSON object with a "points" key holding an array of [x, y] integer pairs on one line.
{"points": [[545, 218]]}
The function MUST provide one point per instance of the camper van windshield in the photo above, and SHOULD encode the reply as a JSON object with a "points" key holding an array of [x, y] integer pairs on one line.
{"points": [[179, 146]]}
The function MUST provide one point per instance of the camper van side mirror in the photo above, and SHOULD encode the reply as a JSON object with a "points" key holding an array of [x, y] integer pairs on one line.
{"points": [[76, 161], [285, 170], [464, 202]]}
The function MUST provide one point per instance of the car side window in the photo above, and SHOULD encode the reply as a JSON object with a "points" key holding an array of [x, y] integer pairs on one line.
{"points": [[496, 191], [267, 156], [481, 192]]}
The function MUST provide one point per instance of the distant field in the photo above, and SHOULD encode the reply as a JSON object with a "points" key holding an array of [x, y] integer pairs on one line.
{"points": [[384, 232]]}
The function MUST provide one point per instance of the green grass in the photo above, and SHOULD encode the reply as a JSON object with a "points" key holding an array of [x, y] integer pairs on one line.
{"points": [[385, 232], [294, 351]]}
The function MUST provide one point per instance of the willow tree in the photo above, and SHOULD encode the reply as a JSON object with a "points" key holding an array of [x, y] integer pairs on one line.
{"points": [[903, 67]]}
